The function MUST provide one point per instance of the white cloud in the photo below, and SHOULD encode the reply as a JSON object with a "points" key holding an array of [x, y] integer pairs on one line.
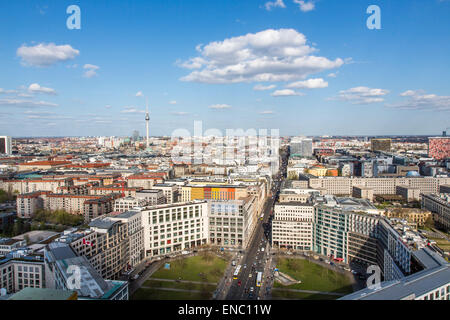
{"points": [[108, 106], [91, 70], [172, 102], [408, 93], [25, 103], [273, 4], [286, 93], [309, 84], [362, 95], [36, 88], [305, 6], [132, 110], [419, 100], [267, 112], [269, 55], [44, 55], [332, 75], [219, 106], [7, 91], [179, 113], [260, 87], [139, 94]]}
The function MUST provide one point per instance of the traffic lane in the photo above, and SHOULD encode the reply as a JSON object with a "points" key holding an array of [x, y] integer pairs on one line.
{"points": [[253, 268], [249, 258]]}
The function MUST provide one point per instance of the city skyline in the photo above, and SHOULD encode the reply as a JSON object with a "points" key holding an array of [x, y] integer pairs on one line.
{"points": [[223, 70]]}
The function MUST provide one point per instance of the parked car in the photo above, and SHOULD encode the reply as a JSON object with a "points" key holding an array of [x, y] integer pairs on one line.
{"points": [[239, 283]]}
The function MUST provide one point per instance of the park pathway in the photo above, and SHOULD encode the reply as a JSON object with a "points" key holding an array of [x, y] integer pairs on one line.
{"points": [[183, 281]]}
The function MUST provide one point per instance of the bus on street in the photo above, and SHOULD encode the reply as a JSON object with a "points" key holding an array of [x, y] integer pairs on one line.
{"points": [[236, 272], [259, 279]]}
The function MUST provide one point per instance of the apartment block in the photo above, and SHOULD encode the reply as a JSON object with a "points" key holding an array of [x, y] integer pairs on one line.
{"points": [[128, 203], [151, 196]]}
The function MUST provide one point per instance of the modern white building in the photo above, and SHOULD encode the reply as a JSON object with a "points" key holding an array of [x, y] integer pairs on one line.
{"points": [[175, 227]]}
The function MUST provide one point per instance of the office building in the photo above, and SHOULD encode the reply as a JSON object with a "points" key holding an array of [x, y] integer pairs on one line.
{"points": [[292, 225], [232, 222], [5, 145], [430, 283], [19, 269], [439, 205], [301, 147], [59, 256], [175, 227], [380, 145]]}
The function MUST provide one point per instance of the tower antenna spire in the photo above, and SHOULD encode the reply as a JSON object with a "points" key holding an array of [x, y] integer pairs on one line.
{"points": [[147, 120]]}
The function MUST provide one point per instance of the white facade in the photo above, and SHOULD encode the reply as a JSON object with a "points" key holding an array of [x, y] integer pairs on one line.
{"points": [[292, 225], [175, 227]]}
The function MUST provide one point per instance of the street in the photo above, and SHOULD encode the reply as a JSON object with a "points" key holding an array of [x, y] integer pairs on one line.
{"points": [[255, 259]]}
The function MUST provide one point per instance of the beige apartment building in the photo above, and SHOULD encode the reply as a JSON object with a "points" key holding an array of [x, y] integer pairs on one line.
{"points": [[128, 203], [151, 196], [32, 185], [106, 190], [417, 217], [171, 192], [28, 203], [380, 186], [90, 206]]}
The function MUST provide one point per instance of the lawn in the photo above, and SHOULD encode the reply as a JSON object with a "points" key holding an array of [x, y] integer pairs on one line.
{"points": [[179, 285], [313, 276], [277, 294], [155, 294], [442, 243], [206, 267]]}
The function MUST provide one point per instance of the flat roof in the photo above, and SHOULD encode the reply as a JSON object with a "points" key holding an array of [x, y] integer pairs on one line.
{"points": [[43, 294], [415, 285]]}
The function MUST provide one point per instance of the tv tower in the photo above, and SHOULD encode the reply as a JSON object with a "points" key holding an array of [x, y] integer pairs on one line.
{"points": [[147, 122]]}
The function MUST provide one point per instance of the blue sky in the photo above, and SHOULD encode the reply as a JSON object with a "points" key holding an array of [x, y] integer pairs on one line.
{"points": [[324, 72]]}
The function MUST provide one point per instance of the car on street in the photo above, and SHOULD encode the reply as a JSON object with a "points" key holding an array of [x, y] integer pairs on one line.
{"points": [[250, 295], [252, 289], [239, 283], [250, 275]]}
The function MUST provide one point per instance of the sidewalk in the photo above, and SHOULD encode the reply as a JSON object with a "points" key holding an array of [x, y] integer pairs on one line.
{"points": [[225, 283]]}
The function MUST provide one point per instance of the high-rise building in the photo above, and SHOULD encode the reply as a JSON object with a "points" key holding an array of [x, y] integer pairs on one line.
{"points": [[5, 145], [380, 145], [438, 147], [301, 147]]}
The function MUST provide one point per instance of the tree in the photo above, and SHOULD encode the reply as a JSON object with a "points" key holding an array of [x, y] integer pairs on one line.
{"points": [[429, 223], [18, 227]]}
